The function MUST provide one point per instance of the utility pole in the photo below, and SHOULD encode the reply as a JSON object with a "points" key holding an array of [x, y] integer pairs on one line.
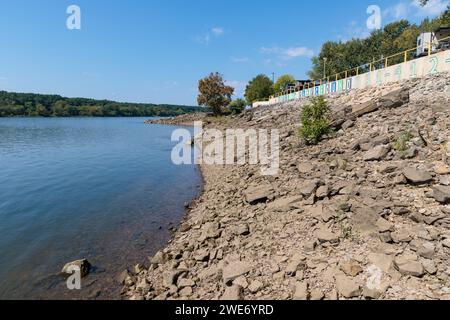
{"points": [[273, 77], [325, 68]]}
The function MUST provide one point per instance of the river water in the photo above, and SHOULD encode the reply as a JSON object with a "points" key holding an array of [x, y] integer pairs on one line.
{"points": [[104, 189]]}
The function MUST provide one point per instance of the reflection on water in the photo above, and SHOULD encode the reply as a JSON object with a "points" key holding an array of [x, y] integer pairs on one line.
{"points": [[101, 189]]}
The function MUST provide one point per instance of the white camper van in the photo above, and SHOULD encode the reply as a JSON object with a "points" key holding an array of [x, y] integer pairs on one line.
{"points": [[423, 43], [439, 40]]}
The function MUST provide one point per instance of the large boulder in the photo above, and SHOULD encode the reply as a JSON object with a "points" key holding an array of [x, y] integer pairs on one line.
{"points": [[394, 99], [365, 106]]}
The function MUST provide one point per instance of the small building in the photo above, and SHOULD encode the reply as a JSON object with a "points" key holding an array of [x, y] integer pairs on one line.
{"points": [[298, 85], [442, 34]]}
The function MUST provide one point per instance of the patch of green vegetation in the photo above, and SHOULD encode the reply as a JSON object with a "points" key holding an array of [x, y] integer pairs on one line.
{"points": [[314, 121], [401, 143]]}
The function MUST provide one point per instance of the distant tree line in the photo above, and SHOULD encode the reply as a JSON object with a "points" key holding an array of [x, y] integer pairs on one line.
{"points": [[40, 105]]}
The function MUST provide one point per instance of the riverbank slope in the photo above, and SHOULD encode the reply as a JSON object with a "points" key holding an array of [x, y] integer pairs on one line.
{"points": [[363, 215]]}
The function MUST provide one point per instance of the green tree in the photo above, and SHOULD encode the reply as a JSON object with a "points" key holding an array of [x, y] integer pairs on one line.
{"points": [[259, 88], [42, 111], [314, 121], [213, 93], [394, 38], [237, 106], [282, 82]]}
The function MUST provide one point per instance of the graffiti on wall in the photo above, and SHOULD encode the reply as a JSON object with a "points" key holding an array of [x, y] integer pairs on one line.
{"points": [[421, 67]]}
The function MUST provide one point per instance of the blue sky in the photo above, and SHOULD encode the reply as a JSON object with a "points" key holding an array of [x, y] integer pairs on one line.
{"points": [[156, 50]]}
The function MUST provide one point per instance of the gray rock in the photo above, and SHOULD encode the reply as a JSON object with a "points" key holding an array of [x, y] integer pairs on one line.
{"points": [[297, 263], [201, 255], [426, 250], [255, 286], [235, 270], [210, 230], [371, 293], [429, 266], [305, 167], [377, 153], [401, 236], [255, 195], [82, 265], [285, 204], [444, 180], [394, 99], [409, 267], [233, 293], [441, 194], [364, 107], [384, 225], [325, 235], [158, 258], [316, 295], [242, 230], [322, 192], [348, 124], [170, 277], [308, 188], [347, 287], [417, 176], [186, 292], [301, 291], [382, 261], [350, 267], [182, 283]]}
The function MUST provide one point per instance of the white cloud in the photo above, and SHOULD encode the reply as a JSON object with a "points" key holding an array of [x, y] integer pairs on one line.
{"points": [[217, 31], [400, 11], [432, 8], [354, 31], [206, 38], [239, 87], [404, 9], [288, 53], [298, 52], [407, 9]]}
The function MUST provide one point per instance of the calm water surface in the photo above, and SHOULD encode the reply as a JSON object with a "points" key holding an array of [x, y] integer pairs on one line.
{"points": [[97, 188]]}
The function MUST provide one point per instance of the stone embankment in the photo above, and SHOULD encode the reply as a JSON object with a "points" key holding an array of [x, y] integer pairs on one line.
{"points": [[363, 215]]}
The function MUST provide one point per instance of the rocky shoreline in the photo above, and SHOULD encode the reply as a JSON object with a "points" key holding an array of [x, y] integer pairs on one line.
{"points": [[363, 215], [183, 120]]}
